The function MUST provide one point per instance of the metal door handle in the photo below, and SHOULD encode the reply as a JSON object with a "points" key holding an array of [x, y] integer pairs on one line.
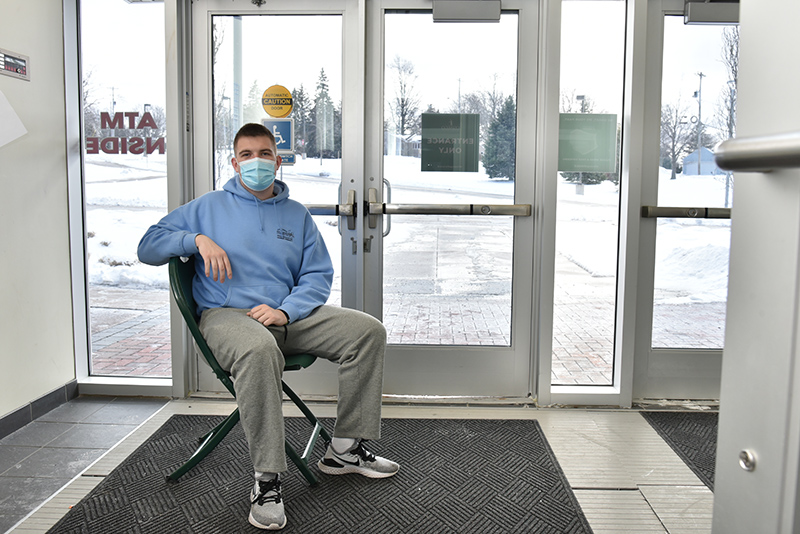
{"points": [[349, 210], [388, 197], [759, 154], [517, 210], [375, 208], [686, 213]]}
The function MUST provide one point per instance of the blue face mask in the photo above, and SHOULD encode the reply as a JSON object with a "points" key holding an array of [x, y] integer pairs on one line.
{"points": [[257, 173]]}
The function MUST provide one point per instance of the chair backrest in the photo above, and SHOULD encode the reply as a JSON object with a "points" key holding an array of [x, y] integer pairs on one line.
{"points": [[181, 275]]}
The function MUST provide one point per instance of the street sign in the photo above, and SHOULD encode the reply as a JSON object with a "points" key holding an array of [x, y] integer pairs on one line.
{"points": [[283, 130], [288, 159]]}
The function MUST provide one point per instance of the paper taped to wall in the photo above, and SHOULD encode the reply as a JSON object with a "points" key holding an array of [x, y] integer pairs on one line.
{"points": [[11, 126]]}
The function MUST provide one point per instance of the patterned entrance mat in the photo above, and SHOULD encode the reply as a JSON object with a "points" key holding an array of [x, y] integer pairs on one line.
{"points": [[455, 476], [693, 437]]}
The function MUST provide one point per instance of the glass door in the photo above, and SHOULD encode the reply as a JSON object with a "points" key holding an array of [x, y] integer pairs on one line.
{"points": [[284, 65], [414, 164], [449, 233], [689, 218]]}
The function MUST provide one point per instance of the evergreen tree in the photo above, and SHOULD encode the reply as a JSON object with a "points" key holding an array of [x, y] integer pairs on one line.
{"points": [[253, 111], [323, 115], [337, 131], [499, 159], [301, 112]]}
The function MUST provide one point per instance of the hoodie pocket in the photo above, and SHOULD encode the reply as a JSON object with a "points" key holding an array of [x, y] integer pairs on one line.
{"points": [[251, 296]]}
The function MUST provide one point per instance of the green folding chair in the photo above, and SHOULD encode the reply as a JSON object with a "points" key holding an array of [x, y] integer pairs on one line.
{"points": [[180, 281]]}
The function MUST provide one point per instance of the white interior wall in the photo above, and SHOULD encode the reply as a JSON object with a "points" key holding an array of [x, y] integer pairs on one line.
{"points": [[35, 294]]}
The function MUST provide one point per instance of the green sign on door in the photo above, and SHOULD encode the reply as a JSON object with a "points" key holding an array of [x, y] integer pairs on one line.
{"points": [[450, 142], [587, 142]]}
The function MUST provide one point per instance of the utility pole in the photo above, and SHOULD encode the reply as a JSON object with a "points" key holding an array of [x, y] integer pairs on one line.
{"points": [[699, 95]]}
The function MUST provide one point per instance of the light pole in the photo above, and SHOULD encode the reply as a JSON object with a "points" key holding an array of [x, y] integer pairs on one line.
{"points": [[582, 100], [699, 95], [226, 106], [579, 186]]}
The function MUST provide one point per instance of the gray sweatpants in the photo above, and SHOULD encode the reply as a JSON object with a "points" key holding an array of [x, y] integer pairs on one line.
{"points": [[253, 354]]}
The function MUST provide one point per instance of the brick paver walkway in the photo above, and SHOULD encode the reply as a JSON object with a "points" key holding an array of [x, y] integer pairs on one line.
{"points": [[131, 328], [130, 332]]}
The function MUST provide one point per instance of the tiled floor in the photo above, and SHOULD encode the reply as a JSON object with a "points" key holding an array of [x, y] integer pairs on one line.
{"points": [[623, 474], [39, 459]]}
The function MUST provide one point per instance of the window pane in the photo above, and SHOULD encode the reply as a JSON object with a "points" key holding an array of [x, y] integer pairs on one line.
{"points": [[313, 76], [697, 109], [587, 216], [125, 186], [447, 279]]}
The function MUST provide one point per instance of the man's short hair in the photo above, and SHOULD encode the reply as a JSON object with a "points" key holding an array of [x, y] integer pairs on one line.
{"points": [[253, 129]]}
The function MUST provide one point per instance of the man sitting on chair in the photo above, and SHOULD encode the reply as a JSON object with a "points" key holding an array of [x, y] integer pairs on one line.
{"points": [[263, 277]]}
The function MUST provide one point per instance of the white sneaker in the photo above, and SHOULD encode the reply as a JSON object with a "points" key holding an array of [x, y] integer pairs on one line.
{"points": [[358, 460], [266, 511]]}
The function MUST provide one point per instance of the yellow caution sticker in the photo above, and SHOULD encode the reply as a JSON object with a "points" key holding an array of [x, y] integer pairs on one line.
{"points": [[277, 101]]}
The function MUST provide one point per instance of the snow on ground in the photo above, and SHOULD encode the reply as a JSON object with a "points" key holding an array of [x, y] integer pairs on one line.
{"points": [[125, 194], [691, 254]]}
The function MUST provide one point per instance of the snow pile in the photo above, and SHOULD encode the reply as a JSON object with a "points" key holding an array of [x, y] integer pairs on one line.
{"points": [[125, 194], [691, 254]]}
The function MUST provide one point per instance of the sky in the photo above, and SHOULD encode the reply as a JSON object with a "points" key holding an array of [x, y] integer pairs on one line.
{"points": [[291, 50], [122, 54], [693, 49]]}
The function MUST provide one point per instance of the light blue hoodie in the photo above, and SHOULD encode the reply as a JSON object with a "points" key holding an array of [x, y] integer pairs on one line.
{"points": [[276, 252]]}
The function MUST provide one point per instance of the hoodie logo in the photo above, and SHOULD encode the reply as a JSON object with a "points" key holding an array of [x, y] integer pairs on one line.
{"points": [[286, 235]]}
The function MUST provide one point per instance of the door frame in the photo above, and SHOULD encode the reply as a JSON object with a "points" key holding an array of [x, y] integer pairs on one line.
{"points": [[635, 265], [191, 128], [638, 82], [662, 372], [362, 269], [409, 371]]}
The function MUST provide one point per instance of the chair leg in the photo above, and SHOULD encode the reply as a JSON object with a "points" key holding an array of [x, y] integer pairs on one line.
{"points": [[302, 465], [302, 461], [210, 441], [308, 413]]}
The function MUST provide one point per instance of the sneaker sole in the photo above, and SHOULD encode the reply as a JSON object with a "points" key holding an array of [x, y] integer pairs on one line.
{"points": [[271, 526], [348, 469]]}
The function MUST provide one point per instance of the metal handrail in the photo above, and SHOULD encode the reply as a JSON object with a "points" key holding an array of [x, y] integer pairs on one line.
{"points": [[759, 154]]}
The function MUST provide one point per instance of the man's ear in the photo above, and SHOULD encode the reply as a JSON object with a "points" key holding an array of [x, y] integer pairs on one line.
{"points": [[278, 162], [235, 164]]}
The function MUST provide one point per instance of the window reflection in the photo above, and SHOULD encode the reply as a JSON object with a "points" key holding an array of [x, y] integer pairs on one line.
{"points": [[125, 186]]}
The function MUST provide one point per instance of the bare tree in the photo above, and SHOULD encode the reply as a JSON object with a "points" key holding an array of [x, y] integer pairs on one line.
{"points": [[572, 103], [486, 103], [676, 135], [726, 116], [726, 111], [404, 106], [91, 111], [494, 100]]}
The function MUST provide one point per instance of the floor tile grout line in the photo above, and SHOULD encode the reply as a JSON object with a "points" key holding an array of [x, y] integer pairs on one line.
{"points": [[80, 475]]}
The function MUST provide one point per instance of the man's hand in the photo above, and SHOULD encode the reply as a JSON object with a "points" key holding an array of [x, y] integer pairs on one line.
{"points": [[215, 259], [267, 315]]}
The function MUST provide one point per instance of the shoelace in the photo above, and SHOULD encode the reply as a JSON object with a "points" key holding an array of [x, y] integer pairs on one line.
{"points": [[266, 486], [362, 452]]}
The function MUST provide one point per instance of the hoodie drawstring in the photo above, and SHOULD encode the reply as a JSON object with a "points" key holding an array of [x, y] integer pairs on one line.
{"points": [[258, 214]]}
